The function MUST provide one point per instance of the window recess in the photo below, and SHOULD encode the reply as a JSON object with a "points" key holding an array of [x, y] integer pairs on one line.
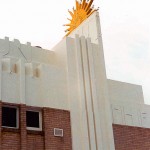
{"points": [[9, 117], [33, 120]]}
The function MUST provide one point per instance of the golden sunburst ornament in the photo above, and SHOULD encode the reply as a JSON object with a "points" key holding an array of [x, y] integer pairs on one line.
{"points": [[82, 11]]}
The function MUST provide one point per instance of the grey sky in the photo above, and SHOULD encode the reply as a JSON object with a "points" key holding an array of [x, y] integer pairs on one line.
{"points": [[126, 40], [125, 31]]}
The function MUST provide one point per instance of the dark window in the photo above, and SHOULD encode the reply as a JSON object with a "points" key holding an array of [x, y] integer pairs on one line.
{"points": [[33, 119], [9, 117]]}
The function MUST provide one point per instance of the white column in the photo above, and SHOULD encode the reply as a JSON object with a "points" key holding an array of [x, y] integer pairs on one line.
{"points": [[97, 125], [88, 96], [21, 65], [84, 117], [75, 94], [102, 87]]}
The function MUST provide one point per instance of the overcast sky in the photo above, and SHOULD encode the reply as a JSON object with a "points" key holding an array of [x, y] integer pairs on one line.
{"points": [[125, 31]]}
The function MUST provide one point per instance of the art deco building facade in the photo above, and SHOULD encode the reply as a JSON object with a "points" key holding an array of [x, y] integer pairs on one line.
{"points": [[61, 99]]}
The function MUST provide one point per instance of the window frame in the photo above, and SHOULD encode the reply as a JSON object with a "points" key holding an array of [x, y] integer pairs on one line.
{"points": [[17, 117], [40, 121]]}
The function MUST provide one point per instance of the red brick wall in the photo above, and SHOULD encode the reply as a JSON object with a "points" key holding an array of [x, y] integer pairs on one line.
{"points": [[10, 141], [56, 119], [22, 125], [131, 138], [23, 139], [35, 142]]}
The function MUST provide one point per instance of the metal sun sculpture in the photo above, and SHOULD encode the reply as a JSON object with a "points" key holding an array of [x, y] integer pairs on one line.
{"points": [[82, 11]]}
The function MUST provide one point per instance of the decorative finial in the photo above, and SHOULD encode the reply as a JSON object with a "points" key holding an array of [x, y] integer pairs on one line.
{"points": [[83, 10]]}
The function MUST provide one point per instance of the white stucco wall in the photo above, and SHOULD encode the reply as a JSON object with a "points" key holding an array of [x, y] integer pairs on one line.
{"points": [[127, 104], [131, 114], [39, 80], [121, 92]]}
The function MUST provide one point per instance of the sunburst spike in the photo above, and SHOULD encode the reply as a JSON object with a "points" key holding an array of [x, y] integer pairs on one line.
{"points": [[66, 24], [83, 3], [68, 33], [90, 9], [70, 13], [89, 5], [70, 24], [69, 19], [80, 5], [91, 13], [67, 30], [77, 5], [73, 8]]}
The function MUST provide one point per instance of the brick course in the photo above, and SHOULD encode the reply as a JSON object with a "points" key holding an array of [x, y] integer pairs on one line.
{"points": [[23, 132], [35, 142], [23, 139], [131, 138], [10, 141]]}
